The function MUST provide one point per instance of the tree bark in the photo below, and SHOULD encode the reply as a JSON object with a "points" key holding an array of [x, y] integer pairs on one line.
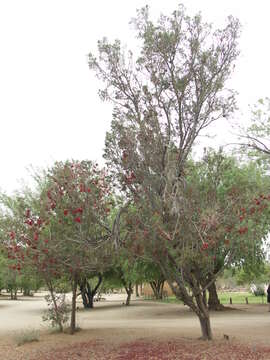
{"points": [[137, 290], [73, 306], [87, 293], [195, 301], [157, 287], [205, 327], [58, 319], [213, 300], [129, 292]]}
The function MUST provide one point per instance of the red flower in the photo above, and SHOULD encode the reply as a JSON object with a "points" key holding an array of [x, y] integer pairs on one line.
{"points": [[36, 236], [12, 235], [77, 219], [88, 190], [66, 212], [205, 246], [29, 222], [79, 210]]}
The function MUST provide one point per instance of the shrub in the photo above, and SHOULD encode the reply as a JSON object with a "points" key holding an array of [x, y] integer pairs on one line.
{"points": [[53, 315], [258, 290], [26, 336]]}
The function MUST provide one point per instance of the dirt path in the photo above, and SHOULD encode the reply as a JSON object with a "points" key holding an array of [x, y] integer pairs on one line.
{"points": [[113, 322], [248, 322]]}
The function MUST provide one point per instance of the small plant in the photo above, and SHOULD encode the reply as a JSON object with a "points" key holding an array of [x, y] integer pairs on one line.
{"points": [[26, 336], [58, 311], [258, 291]]}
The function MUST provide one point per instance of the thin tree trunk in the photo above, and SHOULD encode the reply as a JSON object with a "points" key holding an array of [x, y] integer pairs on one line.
{"points": [[129, 293], [137, 290], [58, 319], [73, 306]]}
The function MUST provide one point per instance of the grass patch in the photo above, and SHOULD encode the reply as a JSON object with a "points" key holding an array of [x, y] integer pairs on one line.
{"points": [[224, 297], [26, 336], [240, 298]]}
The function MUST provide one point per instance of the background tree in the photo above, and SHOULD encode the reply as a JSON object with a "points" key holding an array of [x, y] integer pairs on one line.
{"points": [[255, 139], [234, 190], [162, 101]]}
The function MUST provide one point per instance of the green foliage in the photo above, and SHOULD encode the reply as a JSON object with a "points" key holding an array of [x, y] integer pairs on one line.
{"points": [[56, 314], [62, 285], [255, 138], [26, 336], [259, 291]]}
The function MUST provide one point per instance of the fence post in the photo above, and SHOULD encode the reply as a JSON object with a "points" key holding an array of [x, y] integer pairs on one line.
{"points": [[230, 301], [246, 300]]}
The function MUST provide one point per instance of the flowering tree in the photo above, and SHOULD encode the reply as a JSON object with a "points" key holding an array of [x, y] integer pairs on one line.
{"points": [[162, 101], [68, 234]]}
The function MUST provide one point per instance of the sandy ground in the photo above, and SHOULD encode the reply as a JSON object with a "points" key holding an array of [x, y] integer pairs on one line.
{"points": [[110, 318]]}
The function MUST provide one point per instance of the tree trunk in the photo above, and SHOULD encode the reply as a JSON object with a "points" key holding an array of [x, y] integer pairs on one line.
{"points": [[205, 327], [58, 319], [129, 293], [137, 290], [26, 292], [157, 287], [194, 301], [87, 293], [213, 300], [73, 306]]}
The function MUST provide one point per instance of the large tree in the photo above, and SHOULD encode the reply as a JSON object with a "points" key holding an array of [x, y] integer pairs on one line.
{"points": [[162, 100]]}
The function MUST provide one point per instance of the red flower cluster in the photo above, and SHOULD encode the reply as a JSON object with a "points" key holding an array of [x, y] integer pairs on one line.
{"points": [[243, 230], [205, 246]]}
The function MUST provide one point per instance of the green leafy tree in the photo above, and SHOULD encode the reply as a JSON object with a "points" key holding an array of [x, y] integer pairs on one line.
{"points": [[255, 139], [232, 193], [162, 100]]}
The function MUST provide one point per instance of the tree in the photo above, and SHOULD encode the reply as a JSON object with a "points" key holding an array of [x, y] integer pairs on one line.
{"points": [[162, 101], [89, 288], [68, 232], [255, 138], [236, 190]]}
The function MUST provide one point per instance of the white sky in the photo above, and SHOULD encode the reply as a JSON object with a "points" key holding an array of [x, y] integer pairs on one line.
{"points": [[49, 108]]}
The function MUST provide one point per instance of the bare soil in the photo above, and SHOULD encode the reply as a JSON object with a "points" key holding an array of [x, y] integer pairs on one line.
{"points": [[145, 330]]}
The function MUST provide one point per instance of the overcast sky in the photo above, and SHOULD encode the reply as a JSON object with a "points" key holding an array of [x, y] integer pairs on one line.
{"points": [[49, 108]]}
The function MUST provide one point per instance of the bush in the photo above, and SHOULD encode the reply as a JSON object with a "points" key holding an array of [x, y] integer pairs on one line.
{"points": [[54, 316], [26, 336], [258, 290]]}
